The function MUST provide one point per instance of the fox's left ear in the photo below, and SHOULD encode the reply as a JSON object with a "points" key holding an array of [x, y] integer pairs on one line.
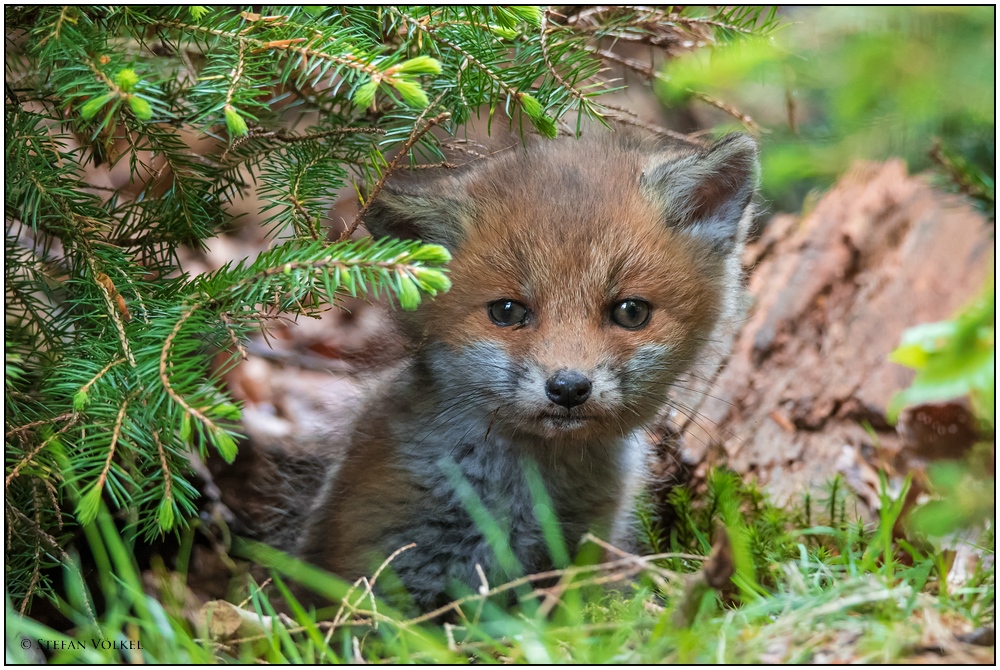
{"points": [[436, 211], [706, 194]]}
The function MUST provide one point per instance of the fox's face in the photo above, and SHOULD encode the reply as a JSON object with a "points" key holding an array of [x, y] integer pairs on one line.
{"points": [[586, 276]]}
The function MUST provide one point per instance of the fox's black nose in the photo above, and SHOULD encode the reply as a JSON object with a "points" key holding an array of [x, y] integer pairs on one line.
{"points": [[568, 388]]}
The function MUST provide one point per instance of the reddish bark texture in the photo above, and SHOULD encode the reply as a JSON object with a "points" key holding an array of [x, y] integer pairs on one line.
{"points": [[831, 294]]}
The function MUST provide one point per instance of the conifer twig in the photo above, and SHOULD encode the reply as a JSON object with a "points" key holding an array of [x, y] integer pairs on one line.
{"points": [[418, 132], [115, 434], [34, 452], [347, 61], [33, 424], [543, 45], [165, 379], [743, 118], [167, 494], [629, 117], [104, 370]]}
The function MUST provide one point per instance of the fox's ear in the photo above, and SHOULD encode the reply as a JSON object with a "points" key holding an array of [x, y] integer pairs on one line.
{"points": [[706, 194], [438, 212]]}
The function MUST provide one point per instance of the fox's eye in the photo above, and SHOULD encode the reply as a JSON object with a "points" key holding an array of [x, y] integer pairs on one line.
{"points": [[507, 313], [632, 314]]}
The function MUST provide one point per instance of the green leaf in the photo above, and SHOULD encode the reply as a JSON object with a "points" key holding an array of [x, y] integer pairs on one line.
{"points": [[419, 65], [224, 444], [407, 293], [364, 96], [80, 399], [964, 498], [952, 358], [165, 515], [928, 338], [89, 505], [140, 108], [234, 122], [126, 80], [946, 379], [90, 108], [412, 94], [197, 12], [910, 355]]}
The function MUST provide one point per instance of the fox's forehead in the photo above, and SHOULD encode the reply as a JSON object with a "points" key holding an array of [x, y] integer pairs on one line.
{"points": [[575, 260], [570, 232]]}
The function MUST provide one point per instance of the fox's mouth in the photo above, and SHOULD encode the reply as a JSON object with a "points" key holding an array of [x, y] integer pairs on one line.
{"points": [[564, 415], [563, 420]]}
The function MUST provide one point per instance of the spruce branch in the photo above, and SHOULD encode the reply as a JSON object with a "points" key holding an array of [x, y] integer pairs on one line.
{"points": [[347, 60], [37, 450], [63, 17], [168, 497], [530, 106], [40, 422], [743, 118], [543, 29], [115, 434], [631, 118], [165, 379], [418, 132], [80, 398], [113, 312]]}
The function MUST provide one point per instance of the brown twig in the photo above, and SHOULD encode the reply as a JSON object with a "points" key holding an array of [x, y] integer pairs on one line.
{"points": [[954, 172], [27, 459], [745, 119], [235, 74], [543, 44], [116, 433], [432, 33], [643, 69], [346, 61], [632, 119], [112, 312], [33, 424], [36, 568], [415, 135], [164, 356], [285, 137], [311, 224], [232, 336], [86, 387], [167, 493], [369, 586], [629, 559]]}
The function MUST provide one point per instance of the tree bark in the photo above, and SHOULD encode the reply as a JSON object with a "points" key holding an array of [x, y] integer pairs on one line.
{"points": [[803, 393]]}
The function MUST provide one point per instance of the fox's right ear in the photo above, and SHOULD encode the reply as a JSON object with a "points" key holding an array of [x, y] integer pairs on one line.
{"points": [[435, 213], [706, 194]]}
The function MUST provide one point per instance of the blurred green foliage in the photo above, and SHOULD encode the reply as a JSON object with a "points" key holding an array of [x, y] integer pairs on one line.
{"points": [[955, 359], [839, 84], [952, 359]]}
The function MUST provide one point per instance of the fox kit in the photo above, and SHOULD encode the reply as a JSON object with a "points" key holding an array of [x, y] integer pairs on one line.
{"points": [[586, 275]]}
